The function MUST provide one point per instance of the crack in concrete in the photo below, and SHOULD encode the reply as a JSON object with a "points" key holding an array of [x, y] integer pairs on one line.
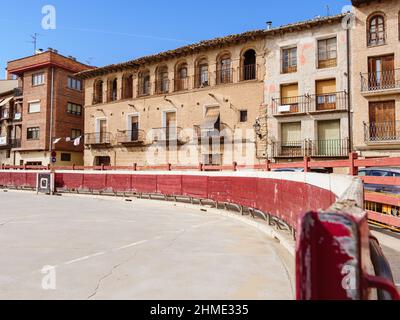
{"points": [[109, 274], [6, 222], [171, 243]]}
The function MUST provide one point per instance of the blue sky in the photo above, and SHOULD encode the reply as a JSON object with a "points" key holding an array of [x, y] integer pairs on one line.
{"points": [[105, 32]]}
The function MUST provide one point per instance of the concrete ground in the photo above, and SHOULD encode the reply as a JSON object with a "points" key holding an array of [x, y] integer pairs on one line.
{"points": [[114, 249]]}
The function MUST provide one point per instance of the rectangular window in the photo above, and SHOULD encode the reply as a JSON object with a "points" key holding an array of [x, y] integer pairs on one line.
{"points": [[33, 133], [74, 84], [243, 116], [34, 107], [76, 133], [327, 53], [66, 157], [37, 79], [289, 60], [74, 109]]}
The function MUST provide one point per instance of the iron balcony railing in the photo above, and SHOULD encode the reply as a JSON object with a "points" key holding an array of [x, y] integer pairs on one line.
{"points": [[311, 148], [382, 80], [15, 143], [224, 76], [382, 131], [248, 72], [168, 134], [290, 105], [98, 138], [131, 137], [329, 101], [144, 89], [7, 143], [18, 92], [162, 86], [5, 114], [204, 133], [181, 84]]}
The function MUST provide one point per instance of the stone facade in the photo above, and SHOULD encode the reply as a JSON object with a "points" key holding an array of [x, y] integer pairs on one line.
{"points": [[375, 46], [308, 93], [235, 98]]}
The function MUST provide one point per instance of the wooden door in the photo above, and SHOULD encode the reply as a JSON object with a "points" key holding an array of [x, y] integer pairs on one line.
{"points": [[171, 125], [381, 73], [382, 117], [103, 130], [135, 128]]}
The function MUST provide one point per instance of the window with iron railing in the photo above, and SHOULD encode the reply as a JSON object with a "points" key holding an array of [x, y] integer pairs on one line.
{"points": [[202, 76]]}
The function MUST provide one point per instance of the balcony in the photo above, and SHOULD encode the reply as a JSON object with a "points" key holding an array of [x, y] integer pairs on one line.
{"points": [[224, 76], [290, 106], [131, 137], [98, 139], [181, 84], [144, 89], [17, 116], [337, 101], [383, 132], [5, 114], [248, 72], [380, 82], [312, 148], [204, 134], [6, 143], [202, 79], [168, 135], [162, 86]]}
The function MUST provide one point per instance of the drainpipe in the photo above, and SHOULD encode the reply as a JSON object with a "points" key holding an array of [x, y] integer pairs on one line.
{"points": [[51, 110], [349, 93]]}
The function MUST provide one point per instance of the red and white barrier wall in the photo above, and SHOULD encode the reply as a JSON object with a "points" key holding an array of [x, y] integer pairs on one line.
{"points": [[333, 257]]}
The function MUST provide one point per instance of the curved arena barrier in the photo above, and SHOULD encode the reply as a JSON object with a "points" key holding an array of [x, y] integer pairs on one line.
{"points": [[336, 258]]}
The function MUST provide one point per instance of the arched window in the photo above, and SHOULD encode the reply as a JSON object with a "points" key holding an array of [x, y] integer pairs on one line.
{"points": [[112, 90], [144, 83], [98, 92], [376, 30], [162, 81], [224, 69], [248, 71], [181, 77], [127, 86], [202, 76]]}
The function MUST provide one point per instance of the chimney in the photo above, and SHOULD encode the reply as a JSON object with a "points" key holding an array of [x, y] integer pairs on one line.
{"points": [[269, 25]]}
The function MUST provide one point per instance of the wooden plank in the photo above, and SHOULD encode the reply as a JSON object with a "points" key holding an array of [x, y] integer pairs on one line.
{"points": [[387, 181], [382, 198], [384, 218]]}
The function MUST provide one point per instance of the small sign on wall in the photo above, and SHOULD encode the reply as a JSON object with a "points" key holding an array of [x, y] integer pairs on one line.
{"points": [[45, 183]]}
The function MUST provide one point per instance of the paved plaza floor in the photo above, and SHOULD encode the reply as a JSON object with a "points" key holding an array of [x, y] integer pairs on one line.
{"points": [[63, 247]]}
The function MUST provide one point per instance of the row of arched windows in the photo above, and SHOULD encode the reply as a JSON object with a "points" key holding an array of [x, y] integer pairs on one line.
{"points": [[224, 74], [376, 29]]}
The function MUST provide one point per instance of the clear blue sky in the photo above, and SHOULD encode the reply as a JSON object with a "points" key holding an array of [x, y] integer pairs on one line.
{"points": [[105, 32]]}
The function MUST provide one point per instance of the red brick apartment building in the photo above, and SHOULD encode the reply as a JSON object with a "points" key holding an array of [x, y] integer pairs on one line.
{"points": [[45, 114]]}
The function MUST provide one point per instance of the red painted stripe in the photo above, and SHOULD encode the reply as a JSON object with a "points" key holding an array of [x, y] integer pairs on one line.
{"points": [[384, 218], [382, 198], [389, 181]]}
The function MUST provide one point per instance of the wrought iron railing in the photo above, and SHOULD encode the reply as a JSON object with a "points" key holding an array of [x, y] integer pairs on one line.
{"points": [[167, 134], [383, 80], [311, 148], [248, 72], [5, 114], [131, 136], [382, 131], [144, 89], [98, 138], [290, 105], [162, 86], [329, 101], [181, 84], [224, 76], [15, 143]]}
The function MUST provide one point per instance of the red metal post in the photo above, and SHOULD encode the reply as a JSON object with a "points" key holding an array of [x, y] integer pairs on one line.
{"points": [[353, 168], [135, 166], [268, 165], [169, 167], [234, 166], [201, 167], [102, 167], [306, 164]]}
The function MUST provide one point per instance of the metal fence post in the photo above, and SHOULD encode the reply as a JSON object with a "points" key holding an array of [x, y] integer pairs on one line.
{"points": [[306, 164], [353, 168]]}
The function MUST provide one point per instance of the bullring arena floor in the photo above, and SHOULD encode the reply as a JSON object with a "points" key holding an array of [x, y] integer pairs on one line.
{"points": [[64, 247]]}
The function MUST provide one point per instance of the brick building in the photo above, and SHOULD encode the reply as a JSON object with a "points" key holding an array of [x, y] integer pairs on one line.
{"points": [[375, 46], [46, 106], [198, 103]]}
